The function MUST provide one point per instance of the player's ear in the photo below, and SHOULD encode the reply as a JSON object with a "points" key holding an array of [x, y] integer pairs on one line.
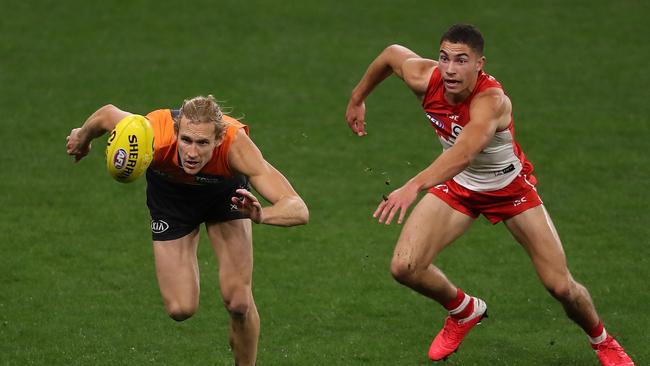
{"points": [[221, 134], [480, 63], [219, 139]]}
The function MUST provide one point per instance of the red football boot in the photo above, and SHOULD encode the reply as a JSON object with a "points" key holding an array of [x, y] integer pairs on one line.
{"points": [[452, 334], [610, 353]]}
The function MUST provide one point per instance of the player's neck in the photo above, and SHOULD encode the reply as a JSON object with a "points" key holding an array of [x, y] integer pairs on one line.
{"points": [[457, 98]]}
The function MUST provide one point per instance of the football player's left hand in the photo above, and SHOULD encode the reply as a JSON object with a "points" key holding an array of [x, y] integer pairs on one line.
{"points": [[76, 146], [398, 201], [248, 204]]}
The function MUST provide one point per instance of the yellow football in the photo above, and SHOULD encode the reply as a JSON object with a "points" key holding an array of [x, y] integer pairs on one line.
{"points": [[129, 149]]}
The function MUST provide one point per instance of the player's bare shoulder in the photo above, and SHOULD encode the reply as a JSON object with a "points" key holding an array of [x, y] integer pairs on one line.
{"points": [[243, 155], [241, 135], [417, 72], [241, 144]]}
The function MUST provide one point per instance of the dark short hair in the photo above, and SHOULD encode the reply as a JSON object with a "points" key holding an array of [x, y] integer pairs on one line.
{"points": [[465, 34]]}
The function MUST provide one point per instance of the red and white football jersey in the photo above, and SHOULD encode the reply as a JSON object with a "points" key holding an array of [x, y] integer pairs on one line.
{"points": [[501, 160]]}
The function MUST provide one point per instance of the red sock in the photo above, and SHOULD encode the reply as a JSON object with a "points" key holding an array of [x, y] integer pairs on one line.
{"points": [[598, 333], [461, 307]]}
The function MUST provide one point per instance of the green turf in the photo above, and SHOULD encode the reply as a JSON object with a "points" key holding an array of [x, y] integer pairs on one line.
{"points": [[77, 283]]}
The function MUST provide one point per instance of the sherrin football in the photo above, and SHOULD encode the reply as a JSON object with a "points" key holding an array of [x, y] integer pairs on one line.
{"points": [[129, 149]]}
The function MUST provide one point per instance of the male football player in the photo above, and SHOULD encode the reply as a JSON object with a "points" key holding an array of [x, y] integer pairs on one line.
{"points": [[203, 163], [482, 170]]}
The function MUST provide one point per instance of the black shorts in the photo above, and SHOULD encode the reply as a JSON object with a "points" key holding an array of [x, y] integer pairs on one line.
{"points": [[177, 209]]}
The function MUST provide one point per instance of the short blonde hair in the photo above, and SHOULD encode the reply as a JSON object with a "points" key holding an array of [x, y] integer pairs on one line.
{"points": [[202, 110]]}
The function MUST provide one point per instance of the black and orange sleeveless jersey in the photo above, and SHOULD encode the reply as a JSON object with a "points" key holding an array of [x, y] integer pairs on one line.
{"points": [[166, 162]]}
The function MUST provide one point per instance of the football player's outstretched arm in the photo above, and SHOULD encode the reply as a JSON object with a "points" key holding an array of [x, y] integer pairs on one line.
{"points": [[395, 59], [489, 111], [104, 119], [287, 208]]}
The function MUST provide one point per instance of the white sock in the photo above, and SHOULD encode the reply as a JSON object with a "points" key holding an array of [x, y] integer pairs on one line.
{"points": [[598, 339]]}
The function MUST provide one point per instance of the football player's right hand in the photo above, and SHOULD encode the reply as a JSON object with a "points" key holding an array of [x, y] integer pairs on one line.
{"points": [[355, 115]]}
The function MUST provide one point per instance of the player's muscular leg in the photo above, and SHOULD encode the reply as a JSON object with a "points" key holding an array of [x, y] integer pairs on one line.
{"points": [[232, 242], [534, 230], [178, 274], [431, 226]]}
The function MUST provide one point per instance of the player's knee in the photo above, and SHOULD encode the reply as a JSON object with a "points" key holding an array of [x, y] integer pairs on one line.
{"points": [[562, 289], [180, 312], [179, 316], [239, 303], [403, 270]]}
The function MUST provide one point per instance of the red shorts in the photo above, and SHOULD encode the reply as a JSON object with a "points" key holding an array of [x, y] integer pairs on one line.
{"points": [[496, 206]]}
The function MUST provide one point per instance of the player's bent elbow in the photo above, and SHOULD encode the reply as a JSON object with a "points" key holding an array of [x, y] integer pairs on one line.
{"points": [[107, 109], [392, 48], [303, 214], [299, 213], [291, 211], [305, 218], [397, 49], [109, 115]]}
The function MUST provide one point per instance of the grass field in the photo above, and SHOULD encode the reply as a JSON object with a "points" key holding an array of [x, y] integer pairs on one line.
{"points": [[77, 282]]}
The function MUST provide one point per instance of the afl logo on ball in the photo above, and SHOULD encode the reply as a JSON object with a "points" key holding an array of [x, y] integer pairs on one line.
{"points": [[159, 226], [119, 158]]}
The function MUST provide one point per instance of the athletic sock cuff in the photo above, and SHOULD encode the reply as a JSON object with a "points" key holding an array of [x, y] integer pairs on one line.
{"points": [[458, 301], [597, 334]]}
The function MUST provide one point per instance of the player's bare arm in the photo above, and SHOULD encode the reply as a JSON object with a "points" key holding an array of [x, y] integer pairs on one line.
{"points": [[489, 112], [395, 59], [287, 208], [103, 120]]}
